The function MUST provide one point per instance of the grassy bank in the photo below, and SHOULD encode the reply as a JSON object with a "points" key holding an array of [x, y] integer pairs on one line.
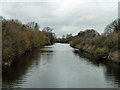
{"points": [[104, 45]]}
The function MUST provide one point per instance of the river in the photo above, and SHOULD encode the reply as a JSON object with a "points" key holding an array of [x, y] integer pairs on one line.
{"points": [[58, 66]]}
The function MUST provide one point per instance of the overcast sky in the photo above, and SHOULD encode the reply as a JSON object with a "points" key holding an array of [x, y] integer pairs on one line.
{"points": [[64, 16]]}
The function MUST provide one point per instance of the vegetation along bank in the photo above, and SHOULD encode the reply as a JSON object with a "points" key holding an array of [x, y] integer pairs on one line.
{"points": [[101, 46], [18, 38]]}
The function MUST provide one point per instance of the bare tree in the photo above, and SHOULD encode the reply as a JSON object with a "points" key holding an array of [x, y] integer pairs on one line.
{"points": [[69, 35], [36, 26], [63, 36], [47, 29], [48, 32], [33, 25], [112, 27]]}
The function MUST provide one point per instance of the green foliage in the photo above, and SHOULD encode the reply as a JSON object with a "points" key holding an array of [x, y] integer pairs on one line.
{"points": [[77, 46], [118, 58], [72, 44], [102, 50]]}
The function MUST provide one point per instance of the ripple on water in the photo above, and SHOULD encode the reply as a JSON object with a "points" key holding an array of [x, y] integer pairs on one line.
{"points": [[59, 66]]}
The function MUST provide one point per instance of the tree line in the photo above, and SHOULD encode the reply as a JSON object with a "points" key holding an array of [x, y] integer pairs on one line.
{"points": [[65, 38], [18, 38], [105, 45]]}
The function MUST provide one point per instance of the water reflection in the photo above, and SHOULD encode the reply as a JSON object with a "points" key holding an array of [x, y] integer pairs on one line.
{"points": [[111, 69], [16, 74], [60, 66]]}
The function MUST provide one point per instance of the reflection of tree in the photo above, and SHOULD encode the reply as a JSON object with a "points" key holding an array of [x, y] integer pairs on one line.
{"points": [[20, 67], [47, 53], [112, 73], [111, 69], [90, 59]]}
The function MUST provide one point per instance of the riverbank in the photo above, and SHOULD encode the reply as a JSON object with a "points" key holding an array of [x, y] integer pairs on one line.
{"points": [[95, 56], [18, 38], [8, 62], [101, 46], [99, 52], [91, 52], [58, 66]]}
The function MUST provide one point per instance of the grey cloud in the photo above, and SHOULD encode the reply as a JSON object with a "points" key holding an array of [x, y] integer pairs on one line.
{"points": [[63, 16]]}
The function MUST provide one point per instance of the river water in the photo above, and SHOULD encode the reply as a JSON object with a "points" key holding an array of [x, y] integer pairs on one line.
{"points": [[58, 66]]}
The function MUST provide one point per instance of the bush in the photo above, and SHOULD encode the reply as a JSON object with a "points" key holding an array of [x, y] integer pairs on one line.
{"points": [[77, 46], [18, 38], [72, 44]]}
